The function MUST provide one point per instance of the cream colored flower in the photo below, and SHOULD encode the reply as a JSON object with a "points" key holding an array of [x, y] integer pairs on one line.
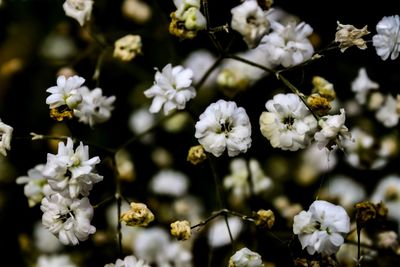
{"points": [[138, 215], [348, 36], [181, 230], [80, 10], [127, 47], [5, 137]]}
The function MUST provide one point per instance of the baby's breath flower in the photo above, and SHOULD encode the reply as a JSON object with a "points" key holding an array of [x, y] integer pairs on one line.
{"points": [[126, 48], [250, 21], [362, 86], [245, 258], [66, 92], [388, 113], [196, 154], [137, 10], [387, 39], [222, 126], [348, 36], [171, 90], [80, 10], [129, 261], [138, 215], [5, 137], [181, 230], [54, 260]]}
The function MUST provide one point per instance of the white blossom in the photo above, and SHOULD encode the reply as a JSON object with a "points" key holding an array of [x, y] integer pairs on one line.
{"points": [[288, 124], [288, 45], [5, 137], [388, 114], [169, 182], [333, 131], [245, 258], [70, 172], [250, 21], [68, 219], [322, 228], [171, 90], [201, 60], [55, 261], [222, 126], [66, 92], [94, 108], [362, 85], [218, 234], [44, 240], [36, 186], [387, 39], [81, 10], [129, 261]]}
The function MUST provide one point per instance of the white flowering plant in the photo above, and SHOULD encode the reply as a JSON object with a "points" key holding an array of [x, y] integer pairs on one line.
{"points": [[180, 133]]}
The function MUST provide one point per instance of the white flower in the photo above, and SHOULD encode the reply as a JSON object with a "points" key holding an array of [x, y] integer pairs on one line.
{"points": [[322, 228], [141, 120], [55, 261], [388, 114], [362, 85], [178, 255], [5, 137], [80, 10], [245, 258], [169, 182], [66, 92], [150, 245], [68, 219], [387, 39], [250, 21], [171, 90], [218, 234], [333, 131], [222, 126], [129, 261], [260, 182], [288, 45], [44, 240], [288, 124], [201, 60], [94, 108], [70, 172], [388, 191], [36, 186]]}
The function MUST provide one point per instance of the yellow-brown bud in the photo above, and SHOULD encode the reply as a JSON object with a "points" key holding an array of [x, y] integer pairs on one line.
{"points": [[138, 215], [181, 230], [265, 218], [319, 104], [196, 154]]}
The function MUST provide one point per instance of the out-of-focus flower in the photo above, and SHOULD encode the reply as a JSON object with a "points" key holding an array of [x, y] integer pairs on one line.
{"points": [[171, 90], [68, 219], [187, 20], [222, 126], [245, 258], [362, 86], [322, 228], [344, 190], [55, 261], [333, 131], [201, 60], [196, 154], [5, 137], [250, 21], [125, 165], [169, 182], [69, 172], [94, 108], [348, 36], [287, 124], [66, 92], [181, 230], [138, 215], [389, 113], [36, 186], [81, 10], [129, 261], [218, 234], [387, 39], [44, 240], [136, 10], [126, 48], [388, 239], [288, 45]]}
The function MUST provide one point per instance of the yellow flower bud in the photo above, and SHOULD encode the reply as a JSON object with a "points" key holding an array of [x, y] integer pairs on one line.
{"points": [[181, 230], [265, 218], [138, 215], [196, 154]]}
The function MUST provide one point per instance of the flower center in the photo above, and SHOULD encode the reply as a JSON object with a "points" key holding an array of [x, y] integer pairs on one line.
{"points": [[288, 121], [226, 127]]}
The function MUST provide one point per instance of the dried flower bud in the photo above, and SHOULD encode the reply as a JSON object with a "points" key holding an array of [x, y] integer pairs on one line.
{"points": [[177, 28], [319, 104], [265, 218], [323, 88], [367, 211], [61, 113], [196, 154], [127, 47], [348, 35], [181, 230], [138, 215]]}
